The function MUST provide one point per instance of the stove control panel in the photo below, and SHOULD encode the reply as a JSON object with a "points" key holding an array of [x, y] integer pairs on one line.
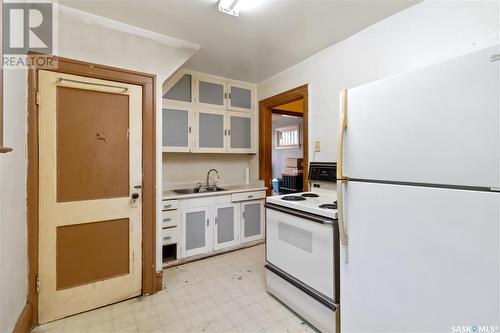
{"points": [[323, 171]]}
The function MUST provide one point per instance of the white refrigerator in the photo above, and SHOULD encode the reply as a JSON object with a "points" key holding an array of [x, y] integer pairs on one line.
{"points": [[419, 199]]}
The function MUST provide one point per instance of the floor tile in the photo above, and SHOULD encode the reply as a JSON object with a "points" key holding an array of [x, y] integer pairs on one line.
{"points": [[225, 293]]}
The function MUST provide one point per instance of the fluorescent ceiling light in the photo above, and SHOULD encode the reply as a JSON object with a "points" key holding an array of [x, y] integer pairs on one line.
{"points": [[231, 7]]}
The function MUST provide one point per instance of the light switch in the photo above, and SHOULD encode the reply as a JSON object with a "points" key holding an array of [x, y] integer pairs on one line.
{"points": [[317, 146]]}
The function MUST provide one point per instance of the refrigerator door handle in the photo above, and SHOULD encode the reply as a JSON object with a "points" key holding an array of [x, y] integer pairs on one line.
{"points": [[340, 140], [344, 239]]}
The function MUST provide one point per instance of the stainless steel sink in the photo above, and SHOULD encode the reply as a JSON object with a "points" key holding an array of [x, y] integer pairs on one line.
{"points": [[203, 189]]}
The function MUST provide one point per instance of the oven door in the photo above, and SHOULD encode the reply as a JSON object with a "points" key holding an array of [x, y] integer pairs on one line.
{"points": [[302, 246]]}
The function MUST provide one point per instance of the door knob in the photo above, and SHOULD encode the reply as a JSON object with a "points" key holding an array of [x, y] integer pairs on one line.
{"points": [[135, 196]]}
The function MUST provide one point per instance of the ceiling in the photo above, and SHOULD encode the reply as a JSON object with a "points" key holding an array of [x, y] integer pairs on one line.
{"points": [[297, 106], [258, 44]]}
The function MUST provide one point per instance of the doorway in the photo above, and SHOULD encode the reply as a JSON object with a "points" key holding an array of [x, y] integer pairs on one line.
{"points": [[283, 141], [288, 152], [91, 188]]}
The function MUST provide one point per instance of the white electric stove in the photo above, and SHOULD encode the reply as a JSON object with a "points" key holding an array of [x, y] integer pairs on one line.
{"points": [[317, 202], [302, 249]]}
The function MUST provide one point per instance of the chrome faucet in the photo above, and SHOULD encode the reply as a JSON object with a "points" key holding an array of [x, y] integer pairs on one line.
{"points": [[208, 176]]}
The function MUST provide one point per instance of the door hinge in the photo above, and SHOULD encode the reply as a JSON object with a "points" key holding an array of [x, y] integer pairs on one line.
{"points": [[37, 97], [37, 284]]}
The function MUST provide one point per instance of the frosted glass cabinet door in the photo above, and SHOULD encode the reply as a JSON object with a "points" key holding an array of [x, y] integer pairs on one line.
{"points": [[179, 88], [240, 134], [211, 92], [211, 132], [240, 97], [226, 232], [252, 220], [195, 230], [176, 130]]}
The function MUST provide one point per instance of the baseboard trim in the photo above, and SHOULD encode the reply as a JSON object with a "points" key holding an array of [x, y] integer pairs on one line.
{"points": [[23, 323], [159, 281]]}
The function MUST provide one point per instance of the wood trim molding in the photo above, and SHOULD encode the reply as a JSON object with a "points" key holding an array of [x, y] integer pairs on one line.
{"points": [[148, 83], [266, 109], [23, 323], [159, 281]]}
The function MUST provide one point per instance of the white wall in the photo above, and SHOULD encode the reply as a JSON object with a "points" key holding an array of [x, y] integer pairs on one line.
{"points": [[13, 261], [418, 36], [180, 169], [88, 38]]}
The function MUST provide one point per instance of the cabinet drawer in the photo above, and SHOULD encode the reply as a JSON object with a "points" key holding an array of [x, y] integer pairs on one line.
{"points": [[170, 218], [244, 196], [169, 204], [170, 236]]}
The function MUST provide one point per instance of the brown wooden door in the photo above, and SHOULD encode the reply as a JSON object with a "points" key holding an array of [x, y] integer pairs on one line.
{"points": [[90, 147]]}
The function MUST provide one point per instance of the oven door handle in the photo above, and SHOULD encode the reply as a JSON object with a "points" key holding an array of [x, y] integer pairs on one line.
{"points": [[297, 213]]}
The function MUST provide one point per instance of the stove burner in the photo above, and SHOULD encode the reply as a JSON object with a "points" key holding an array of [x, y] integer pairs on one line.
{"points": [[293, 198], [329, 206], [310, 195]]}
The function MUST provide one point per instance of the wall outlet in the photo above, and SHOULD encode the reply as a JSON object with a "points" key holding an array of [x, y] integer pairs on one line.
{"points": [[317, 146]]}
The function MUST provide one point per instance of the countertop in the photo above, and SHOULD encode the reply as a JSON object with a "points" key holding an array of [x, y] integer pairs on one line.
{"points": [[230, 189]]}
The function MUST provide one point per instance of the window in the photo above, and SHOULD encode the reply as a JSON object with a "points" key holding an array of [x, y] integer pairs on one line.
{"points": [[288, 137]]}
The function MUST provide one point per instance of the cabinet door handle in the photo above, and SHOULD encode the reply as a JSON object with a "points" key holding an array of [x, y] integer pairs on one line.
{"points": [[216, 218], [167, 238], [229, 132], [225, 95], [208, 222], [250, 197], [168, 219], [225, 132], [189, 129], [167, 206], [243, 214]]}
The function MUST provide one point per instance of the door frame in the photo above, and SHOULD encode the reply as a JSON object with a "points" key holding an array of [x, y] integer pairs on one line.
{"points": [[266, 109], [150, 277]]}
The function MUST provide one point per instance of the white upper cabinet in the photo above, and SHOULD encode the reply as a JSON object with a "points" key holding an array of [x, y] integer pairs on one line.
{"points": [[240, 129], [177, 122], [240, 97], [210, 131], [211, 92], [207, 114], [178, 90]]}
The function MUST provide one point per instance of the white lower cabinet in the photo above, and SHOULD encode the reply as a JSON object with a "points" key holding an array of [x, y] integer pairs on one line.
{"points": [[170, 236], [227, 226], [252, 220], [196, 231], [214, 223]]}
